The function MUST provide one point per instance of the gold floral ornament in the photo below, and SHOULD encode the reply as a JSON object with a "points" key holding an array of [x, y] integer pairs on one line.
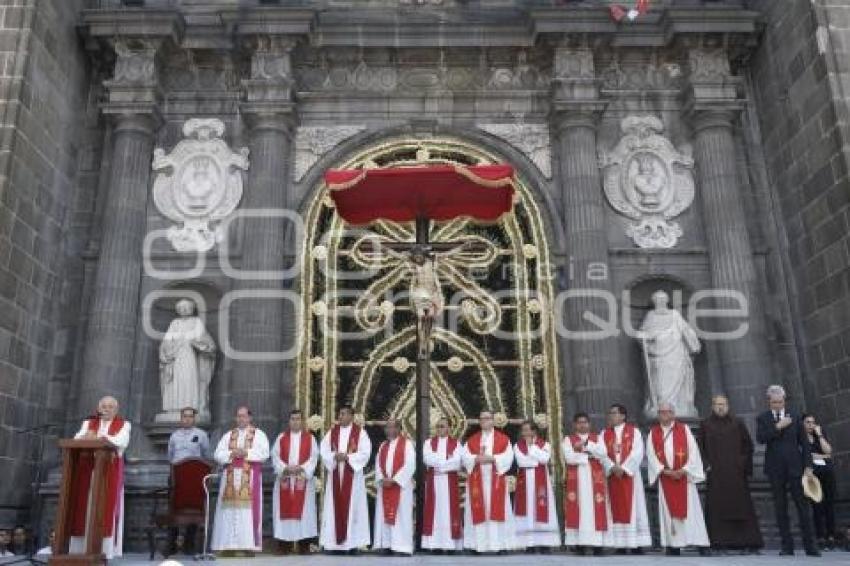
{"points": [[401, 364], [511, 483], [538, 361], [500, 420], [319, 308], [534, 306], [319, 253], [434, 416], [529, 251], [455, 364], [317, 363], [327, 201], [314, 422], [541, 420], [359, 419], [387, 308]]}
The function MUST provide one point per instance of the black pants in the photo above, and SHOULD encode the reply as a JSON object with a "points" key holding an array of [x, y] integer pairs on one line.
{"points": [[824, 512], [780, 486]]}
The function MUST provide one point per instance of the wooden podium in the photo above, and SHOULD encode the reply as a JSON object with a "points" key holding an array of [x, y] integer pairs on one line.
{"points": [[72, 450]]}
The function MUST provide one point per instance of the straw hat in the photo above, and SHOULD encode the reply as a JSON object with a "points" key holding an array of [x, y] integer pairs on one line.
{"points": [[812, 488]]}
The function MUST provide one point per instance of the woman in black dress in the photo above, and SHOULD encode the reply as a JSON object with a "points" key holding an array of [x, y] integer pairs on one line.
{"points": [[824, 512]]}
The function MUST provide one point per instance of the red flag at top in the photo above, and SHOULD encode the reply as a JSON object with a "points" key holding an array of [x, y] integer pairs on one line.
{"points": [[618, 11]]}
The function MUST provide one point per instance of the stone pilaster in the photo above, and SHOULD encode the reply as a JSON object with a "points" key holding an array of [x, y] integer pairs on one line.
{"points": [[712, 109], [260, 324], [593, 371], [111, 336]]}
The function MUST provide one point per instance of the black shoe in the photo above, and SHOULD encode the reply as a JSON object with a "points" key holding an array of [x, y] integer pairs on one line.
{"points": [[597, 551], [704, 551], [812, 552], [621, 551], [673, 551], [580, 550], [786, 552], [637, 551]]}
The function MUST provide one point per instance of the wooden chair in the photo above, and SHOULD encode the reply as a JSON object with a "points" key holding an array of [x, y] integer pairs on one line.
{"points": [[186, 501]]}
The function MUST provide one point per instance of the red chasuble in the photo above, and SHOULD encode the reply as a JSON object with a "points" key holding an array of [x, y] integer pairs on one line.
{"points": [[391, 493], [620, 490], [342, 486], [541, 496], [675, 490], [597, 474], [498, 487], [431, 494], [293, 490], [82, 481]]}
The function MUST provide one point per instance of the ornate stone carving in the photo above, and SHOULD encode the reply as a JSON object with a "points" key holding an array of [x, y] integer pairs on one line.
{"points": [[136, 62], [530, 139], [708, 65], [312, 142], [647, 180], [198, 184], [573, 63]]}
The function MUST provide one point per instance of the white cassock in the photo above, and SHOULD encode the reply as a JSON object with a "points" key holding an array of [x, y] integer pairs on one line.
{"points": [[306, 526], [442, 465], [489, 536], [691, 531], [112, 546], [636, 533], [586, 534], [238, 523], [529, 531], [397, 537], [358, 512]]}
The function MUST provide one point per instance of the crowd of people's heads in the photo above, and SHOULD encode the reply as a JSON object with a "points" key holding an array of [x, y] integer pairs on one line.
{"points": [[15, 540]]}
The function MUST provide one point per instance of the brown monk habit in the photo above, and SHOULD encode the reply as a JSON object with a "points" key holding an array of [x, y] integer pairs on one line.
{"points": [[727, 452]]}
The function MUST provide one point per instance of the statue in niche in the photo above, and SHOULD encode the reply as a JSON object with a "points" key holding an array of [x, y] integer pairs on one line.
{"points": [[668, 343], [186, 362]]}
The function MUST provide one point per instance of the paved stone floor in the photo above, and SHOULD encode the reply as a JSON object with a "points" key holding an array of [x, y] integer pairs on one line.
{"points": [[690, 559]]}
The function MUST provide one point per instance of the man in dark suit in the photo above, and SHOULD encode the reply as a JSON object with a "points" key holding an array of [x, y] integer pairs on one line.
{"points": [[786, 459]]}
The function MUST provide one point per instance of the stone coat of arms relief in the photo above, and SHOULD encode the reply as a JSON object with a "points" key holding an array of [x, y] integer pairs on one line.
{"points": [[198, 184], [649, 181]]}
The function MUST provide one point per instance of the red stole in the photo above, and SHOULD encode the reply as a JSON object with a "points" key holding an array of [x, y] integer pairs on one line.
{"points": [[342, 487], [82, 481], [293, 491], [391, 494], [597, 474], [498, 488], [675, 490], [431, 494], [541, 494], [620, 490]]}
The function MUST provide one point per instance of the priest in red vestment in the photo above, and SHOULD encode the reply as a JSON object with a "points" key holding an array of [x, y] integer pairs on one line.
{"points": [[535, 513], [442, 528], [488, 517], [294, 457], [394, 470], [108, 425], [673, 460]]}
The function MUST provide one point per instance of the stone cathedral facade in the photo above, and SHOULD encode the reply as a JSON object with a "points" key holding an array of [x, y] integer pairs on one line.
{"points": [[701, 146]]}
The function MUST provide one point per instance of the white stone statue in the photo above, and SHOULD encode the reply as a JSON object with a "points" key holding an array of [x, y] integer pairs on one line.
{"points": [[186, 362], [668, 342]]}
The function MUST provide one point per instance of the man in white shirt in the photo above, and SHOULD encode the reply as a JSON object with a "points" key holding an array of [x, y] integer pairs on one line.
{"points": [[394, 468], [345, 451], [294, 456], [239, 514]]}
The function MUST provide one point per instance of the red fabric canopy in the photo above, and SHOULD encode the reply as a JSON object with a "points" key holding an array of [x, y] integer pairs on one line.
{"points": [[436, 192]]}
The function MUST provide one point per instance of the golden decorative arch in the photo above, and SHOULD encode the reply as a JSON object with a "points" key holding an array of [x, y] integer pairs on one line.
{"points": [[496, 347]]}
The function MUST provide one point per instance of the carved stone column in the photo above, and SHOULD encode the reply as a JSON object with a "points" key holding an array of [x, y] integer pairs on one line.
{"points": [[593, 371], [712, 108], [114, 313], [260, 324]]}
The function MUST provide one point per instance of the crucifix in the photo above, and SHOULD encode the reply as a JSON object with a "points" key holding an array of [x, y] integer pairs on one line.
{"points": [[422, 194]]}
